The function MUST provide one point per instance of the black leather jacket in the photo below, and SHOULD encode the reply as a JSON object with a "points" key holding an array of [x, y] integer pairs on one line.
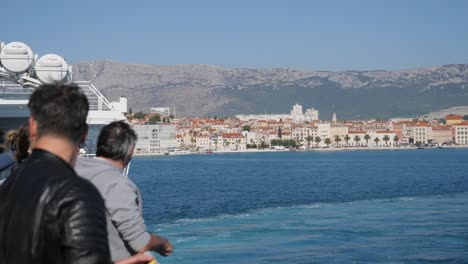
{"points": [[50, 215]]}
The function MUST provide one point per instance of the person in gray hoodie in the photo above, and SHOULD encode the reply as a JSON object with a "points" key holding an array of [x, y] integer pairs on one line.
{"points": [[125, 224]]}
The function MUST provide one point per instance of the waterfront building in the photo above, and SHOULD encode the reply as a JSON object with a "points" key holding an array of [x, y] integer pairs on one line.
{"points": [[273, 135], [262, 136], [373, 126], [251, 138], [324, 132], [338, 130], [202, 142], [233, 142], [179, 140], [407, 132], [398, 129], [441, 134], [357, 138], [301, 133], [385, 138], [286, 135], [419, 132], [461, 133], [155, 139], [334, 120], [453, 119]]}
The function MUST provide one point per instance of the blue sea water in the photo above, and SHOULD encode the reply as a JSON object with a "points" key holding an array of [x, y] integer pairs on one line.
{"points": [[403, 206]]}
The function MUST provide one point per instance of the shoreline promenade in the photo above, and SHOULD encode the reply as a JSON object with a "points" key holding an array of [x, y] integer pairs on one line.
{"points": [[309, 150]]}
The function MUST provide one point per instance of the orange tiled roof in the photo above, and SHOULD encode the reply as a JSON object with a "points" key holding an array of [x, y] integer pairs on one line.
{"points": [[441, 128], [453, 117], [357, 132], [464, 123], [385, 132], [232, 135], [421, 124]]}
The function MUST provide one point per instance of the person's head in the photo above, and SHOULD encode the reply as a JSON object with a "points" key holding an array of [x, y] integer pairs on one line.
{"points": [[116, 141], [10, 139], [59, 110], [22, 143]]}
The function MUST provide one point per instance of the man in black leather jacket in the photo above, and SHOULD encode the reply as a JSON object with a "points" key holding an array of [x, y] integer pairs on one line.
{"points": [[48, 213]]}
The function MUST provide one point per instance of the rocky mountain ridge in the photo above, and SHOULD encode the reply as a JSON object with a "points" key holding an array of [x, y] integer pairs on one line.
{"points": [[200, 90]]}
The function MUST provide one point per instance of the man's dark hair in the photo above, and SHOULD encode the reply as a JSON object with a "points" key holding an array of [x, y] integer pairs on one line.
{"points": [[60, 110], [22, 143], [115, 141]]}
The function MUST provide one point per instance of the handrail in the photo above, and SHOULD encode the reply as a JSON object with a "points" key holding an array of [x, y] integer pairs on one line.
{"points": [[100, 97]]}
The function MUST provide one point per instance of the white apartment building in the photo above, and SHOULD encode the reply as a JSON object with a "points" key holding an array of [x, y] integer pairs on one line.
{"points": [[232, 142], [296, 115], [297, 110], [311, 114], [251, 138], [421, 133], [461, 133], [203, 142], [324, 132], [385, 138], [272, 136], [285, 135], [153, 139], [272, 117], [165, 111], [357, 138], [338, 130], [301, 133]]}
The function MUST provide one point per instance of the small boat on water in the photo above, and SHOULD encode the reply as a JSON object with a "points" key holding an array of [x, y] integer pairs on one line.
{"points": [[177, 152]]}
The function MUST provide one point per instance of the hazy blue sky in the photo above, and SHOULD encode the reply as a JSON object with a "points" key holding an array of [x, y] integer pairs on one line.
{"points": [[309, 35]]}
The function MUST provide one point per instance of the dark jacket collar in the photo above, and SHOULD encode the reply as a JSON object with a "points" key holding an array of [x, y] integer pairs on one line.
{"points": [[44, 154]]}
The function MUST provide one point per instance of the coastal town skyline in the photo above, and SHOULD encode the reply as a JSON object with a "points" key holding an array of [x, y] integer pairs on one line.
{"points": [[160, 130]]}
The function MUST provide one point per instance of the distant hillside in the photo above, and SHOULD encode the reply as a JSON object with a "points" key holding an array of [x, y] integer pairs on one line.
{"points": [[200, 90]]}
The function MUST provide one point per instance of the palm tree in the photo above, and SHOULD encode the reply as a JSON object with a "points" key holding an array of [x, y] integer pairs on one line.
{"points": [[215, 140], [328, 142], [317, 140], [367, 137], [386, 138], [395, 139], [309, 139], [347, 138], [337, 140], [376, 140], [357, 138]]}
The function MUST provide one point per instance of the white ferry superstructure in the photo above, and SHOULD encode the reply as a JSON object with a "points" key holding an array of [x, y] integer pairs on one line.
{"points": [[21, 72]]}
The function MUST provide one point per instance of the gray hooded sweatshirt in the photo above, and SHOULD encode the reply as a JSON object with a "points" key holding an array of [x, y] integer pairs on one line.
{"points": [[125, 225]]}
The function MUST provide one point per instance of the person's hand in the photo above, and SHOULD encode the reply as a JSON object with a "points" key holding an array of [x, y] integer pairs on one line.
{"points": [[158, 244], [163, 246], [137, 259]]}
